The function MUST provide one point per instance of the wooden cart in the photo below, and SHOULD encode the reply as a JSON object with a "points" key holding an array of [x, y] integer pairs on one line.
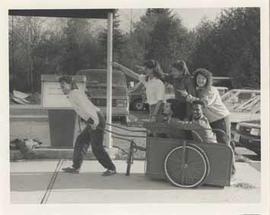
{"points": [[184, 163]]}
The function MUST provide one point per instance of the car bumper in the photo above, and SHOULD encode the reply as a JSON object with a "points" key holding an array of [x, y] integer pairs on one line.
{"points": [[250, 142]]}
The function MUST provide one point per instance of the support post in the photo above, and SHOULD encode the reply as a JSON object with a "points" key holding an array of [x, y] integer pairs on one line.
{"points": [[108, 137]]}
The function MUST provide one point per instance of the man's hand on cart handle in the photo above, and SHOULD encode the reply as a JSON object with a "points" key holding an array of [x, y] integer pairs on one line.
{"points": [[90, 122]]}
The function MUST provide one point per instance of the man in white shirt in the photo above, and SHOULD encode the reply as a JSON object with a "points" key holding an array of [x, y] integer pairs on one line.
{"points": [[92, 133]]}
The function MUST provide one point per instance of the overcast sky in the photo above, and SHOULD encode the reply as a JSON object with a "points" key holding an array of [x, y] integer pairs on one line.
{"points": [[190, 16]]}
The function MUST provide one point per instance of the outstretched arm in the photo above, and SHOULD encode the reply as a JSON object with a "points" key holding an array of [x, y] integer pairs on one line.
{"points": [[188, 125]]}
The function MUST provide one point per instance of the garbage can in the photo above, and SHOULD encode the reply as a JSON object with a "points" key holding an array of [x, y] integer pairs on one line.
{"points": [[62, 127]]}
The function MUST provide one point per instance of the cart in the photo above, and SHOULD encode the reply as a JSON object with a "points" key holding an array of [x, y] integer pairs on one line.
{"points": [[184, 163]]}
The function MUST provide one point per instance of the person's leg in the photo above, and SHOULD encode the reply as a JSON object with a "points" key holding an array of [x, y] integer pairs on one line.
{"points": [[151, 110], [159, 116], [81, 147], [221, 125], [97, 145]]}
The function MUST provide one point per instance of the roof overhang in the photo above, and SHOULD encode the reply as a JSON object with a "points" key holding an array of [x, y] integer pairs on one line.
{"points": [[68, 13]]}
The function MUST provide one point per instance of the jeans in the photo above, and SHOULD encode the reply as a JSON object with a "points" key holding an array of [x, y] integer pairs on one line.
{"points": [[95, 137], [158, 116], [223, 124]]}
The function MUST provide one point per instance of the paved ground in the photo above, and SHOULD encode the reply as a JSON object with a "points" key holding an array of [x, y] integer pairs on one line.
{"points": [[29, 180]]}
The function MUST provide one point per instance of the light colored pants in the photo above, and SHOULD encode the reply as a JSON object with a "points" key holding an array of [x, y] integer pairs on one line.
{"points": [[159, 117]]}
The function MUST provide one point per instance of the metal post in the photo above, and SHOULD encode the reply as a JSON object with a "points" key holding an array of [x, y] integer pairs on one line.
{"points": [[109, 78]]}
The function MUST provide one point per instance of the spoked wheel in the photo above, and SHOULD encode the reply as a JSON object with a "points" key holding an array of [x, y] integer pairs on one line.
{"points": [[186, 167]]}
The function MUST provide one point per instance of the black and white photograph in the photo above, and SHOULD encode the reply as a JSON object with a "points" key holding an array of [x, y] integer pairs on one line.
{"points": [[138, 106]]}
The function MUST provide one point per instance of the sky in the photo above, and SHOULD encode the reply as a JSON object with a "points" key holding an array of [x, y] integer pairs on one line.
{"points": [[190, 16]]}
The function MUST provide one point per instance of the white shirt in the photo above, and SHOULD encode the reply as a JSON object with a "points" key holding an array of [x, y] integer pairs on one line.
{"points": [[155, 89], [83, 106], [215, 108]]}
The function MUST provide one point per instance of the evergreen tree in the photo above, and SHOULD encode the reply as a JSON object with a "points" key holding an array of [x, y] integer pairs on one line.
{"points": [[231, 46], [118, 41]]}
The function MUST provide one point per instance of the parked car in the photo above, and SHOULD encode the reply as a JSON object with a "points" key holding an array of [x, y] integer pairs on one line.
{"points": [[137, 98], [96, 86], [243, 104], [236, 97], [248, 134], [222, 90]]}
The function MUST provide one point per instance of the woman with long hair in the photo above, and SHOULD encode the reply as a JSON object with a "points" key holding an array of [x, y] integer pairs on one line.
{"points": [[154, 87], [215, 110]]}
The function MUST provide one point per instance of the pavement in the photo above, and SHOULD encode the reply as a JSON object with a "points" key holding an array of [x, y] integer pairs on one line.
{"points": [[30, 180]]}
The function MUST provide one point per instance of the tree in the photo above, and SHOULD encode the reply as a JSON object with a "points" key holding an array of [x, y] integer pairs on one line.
{"points": [[118, 41], [158, 35], [24, 36], [231, 46], [168, 39]]}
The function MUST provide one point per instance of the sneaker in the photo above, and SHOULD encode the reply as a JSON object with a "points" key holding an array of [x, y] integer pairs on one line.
{"points": [[109, 172], [70, 170]]}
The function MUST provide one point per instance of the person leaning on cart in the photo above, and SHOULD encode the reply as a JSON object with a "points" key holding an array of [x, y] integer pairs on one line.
{"points": [[181, 80], [199, 124], [215, 111], [92, 133]]}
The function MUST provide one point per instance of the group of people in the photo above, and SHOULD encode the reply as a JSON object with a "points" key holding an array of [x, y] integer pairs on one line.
{"points": [[197, 106]]}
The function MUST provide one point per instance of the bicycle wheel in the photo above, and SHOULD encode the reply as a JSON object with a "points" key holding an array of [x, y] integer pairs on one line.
{"points": [[186, 167]]}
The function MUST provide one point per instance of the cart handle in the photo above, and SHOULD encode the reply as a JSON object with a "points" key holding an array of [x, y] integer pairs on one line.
{"points": [[214, 130], [125, 129]]}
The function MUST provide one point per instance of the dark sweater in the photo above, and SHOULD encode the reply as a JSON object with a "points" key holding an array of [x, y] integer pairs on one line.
{"points": [[181, 86]]}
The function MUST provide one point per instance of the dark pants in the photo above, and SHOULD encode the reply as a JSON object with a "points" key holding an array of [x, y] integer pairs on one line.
{"points": [[95, 137], [182, 111], [179, 108], [225, 125]]}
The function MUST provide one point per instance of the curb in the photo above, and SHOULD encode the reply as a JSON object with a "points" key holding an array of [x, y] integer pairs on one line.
{"points": [[59, 153]]}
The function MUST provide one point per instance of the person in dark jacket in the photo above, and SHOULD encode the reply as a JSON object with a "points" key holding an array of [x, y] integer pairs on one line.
{"points": [[181, 80]]}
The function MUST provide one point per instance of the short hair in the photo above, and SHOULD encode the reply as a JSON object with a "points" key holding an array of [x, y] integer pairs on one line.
{"points": [[67, 79], [198, 102]]}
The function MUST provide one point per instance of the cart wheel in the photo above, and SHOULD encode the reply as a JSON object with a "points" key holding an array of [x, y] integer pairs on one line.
{"points": [[186, 167]]}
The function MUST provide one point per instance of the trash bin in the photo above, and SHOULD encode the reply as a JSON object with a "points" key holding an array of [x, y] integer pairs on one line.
{"points": [[62, 127]]}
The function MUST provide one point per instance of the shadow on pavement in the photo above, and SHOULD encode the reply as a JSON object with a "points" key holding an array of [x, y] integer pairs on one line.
{"points": [[30, 181]]}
